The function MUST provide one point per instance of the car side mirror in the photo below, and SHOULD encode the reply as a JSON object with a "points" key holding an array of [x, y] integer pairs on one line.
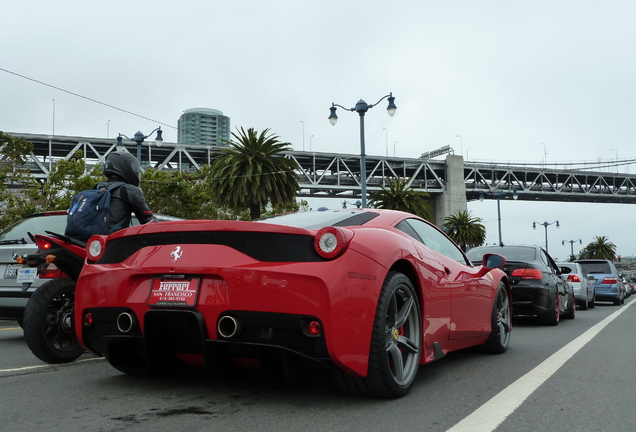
{"points": [[491, 261], [590, 277]]}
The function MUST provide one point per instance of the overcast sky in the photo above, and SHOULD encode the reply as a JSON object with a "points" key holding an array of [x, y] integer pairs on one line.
{"points": [[517, 81]]}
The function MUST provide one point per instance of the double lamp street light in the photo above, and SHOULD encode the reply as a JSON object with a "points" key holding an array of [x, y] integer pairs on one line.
{"points": [[545, 225], [361, 108], [139, 138]]}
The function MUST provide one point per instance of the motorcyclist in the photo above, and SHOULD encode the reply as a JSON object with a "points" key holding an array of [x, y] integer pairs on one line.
{"points": [[121, 166]]}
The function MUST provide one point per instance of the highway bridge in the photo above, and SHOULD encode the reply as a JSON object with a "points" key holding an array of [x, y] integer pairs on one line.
{"points": [[450, 181]]}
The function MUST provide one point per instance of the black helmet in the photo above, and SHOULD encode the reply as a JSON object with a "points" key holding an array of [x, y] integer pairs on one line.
{"points": [[123, 165]]}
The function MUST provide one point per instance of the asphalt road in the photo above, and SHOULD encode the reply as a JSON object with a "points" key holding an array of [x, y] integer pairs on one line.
{"points": [[592, 391]]}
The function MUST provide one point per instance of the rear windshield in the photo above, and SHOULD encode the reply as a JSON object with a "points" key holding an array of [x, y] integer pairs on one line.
{"points": [[34, 225], [320, 219], [511, 253], [598, 267]]}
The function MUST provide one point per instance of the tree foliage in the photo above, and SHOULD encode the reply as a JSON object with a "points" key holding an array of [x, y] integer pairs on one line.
{"points": [[599, 248], [251, 172], [397, 195], [465, 230]]}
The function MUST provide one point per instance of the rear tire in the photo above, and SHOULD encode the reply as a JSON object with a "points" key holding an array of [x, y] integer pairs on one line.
{"points": [[570, 313], [593, 302], [396, 343], [553, 316], [49, 327]]}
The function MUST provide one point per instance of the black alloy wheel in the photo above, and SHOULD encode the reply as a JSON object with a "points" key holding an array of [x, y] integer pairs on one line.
{"points": [[499, 338], [396, 343]]}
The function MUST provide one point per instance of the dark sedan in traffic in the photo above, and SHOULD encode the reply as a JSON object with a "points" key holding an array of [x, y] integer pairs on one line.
{"points": [[537, 286]]}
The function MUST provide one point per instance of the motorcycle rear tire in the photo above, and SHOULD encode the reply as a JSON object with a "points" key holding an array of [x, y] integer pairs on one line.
{"points": [[49, 327]]}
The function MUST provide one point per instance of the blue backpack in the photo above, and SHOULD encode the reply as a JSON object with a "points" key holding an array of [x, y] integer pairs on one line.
{"points": [[89, 213]]}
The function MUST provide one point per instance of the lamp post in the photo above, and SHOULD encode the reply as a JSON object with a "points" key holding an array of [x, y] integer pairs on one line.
{"points": [[545, 154], [358, 204], [498, 194], [303, 134], [616, 160], [545, 225], [139, 137], [461, 145], [310, 138], [361, 108], [467, 152], [571, 246]]}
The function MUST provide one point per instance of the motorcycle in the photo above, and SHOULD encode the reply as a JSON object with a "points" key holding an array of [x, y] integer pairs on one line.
{"points": [[49, 328]]}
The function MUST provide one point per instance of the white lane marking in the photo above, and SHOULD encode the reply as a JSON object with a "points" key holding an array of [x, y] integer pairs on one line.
{"points": [[491, 414], [49, 365]]}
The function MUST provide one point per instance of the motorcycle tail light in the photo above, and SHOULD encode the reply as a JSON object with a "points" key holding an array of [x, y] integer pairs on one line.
{"points": [[573, 278], [609, 280], [51, 272], [527, 273], [95, 247], [42, 244], [330, 242]]}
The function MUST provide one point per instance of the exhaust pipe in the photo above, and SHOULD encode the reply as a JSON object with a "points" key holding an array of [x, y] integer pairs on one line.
{"points": [[126, 322], [229, 326]]}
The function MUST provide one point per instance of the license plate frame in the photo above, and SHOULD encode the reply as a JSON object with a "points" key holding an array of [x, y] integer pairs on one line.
{"points": [[11, 272], [174, 292]]}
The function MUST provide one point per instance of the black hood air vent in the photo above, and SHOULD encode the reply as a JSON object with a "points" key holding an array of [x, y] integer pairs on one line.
{"points": [[267, 247]]}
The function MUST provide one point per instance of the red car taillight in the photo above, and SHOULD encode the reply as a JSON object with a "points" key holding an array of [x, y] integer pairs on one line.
{"points": [[527, 273], [330, 242], [609, 280], [573, 278], [95, 247]]}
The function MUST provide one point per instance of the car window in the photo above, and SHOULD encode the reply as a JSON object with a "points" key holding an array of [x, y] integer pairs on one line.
{"points": [[34, 225], [598, 267], [432, 238]]}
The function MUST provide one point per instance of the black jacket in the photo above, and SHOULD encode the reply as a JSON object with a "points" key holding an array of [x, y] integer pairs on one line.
{"points": [[125, 200]]}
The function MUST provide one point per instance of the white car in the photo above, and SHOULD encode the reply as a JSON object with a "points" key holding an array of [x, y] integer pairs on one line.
{"points": [[583, 286]]}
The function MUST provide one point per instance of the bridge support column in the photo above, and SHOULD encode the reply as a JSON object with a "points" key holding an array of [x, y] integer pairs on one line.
{"points": [[454, 198]]}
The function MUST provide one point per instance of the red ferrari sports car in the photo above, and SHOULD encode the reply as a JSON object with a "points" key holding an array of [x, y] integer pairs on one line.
{"points": [[371, 294]]}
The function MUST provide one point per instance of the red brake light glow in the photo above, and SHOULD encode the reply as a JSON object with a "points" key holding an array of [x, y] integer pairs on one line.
{"points": [[527, 273], [42, 243], [330, 242], [609, 280], [314, 328], [573, 278]]}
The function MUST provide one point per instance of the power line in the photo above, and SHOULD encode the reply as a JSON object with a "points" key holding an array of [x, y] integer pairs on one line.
{"points": [[87, 98]]}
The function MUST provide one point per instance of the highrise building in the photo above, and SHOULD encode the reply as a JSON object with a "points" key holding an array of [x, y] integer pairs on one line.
{"points": [[204, 126]]}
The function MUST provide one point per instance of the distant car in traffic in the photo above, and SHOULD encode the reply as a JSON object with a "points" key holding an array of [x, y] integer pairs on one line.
{"points": [[582, 286], [537, 286], [608, 285]]}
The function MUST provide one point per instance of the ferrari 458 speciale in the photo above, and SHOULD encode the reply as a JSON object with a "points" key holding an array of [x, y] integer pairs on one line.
{"points": [[370, 294]]}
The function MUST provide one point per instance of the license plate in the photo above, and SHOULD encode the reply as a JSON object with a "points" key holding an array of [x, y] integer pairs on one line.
{"points": [[28, 274], [174, 292], [12, 271]]}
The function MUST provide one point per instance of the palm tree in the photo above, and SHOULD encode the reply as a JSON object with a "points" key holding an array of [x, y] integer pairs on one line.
{"points": [[252, 172], [465, 230], [601, 248], [399, 196]]}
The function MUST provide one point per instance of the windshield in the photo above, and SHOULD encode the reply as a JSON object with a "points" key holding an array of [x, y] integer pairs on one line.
{"points": [[320, 219], [598, 267], [34, 225], [511, 253]]}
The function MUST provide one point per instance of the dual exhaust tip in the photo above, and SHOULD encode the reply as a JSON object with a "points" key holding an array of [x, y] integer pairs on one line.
{"points": [[228, 326]]}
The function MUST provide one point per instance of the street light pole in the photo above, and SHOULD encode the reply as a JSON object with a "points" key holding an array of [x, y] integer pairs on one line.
{"points": [[545, 225], [498, 195], [361, 108], [461, 145], [139, 138], [571, 246]]}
